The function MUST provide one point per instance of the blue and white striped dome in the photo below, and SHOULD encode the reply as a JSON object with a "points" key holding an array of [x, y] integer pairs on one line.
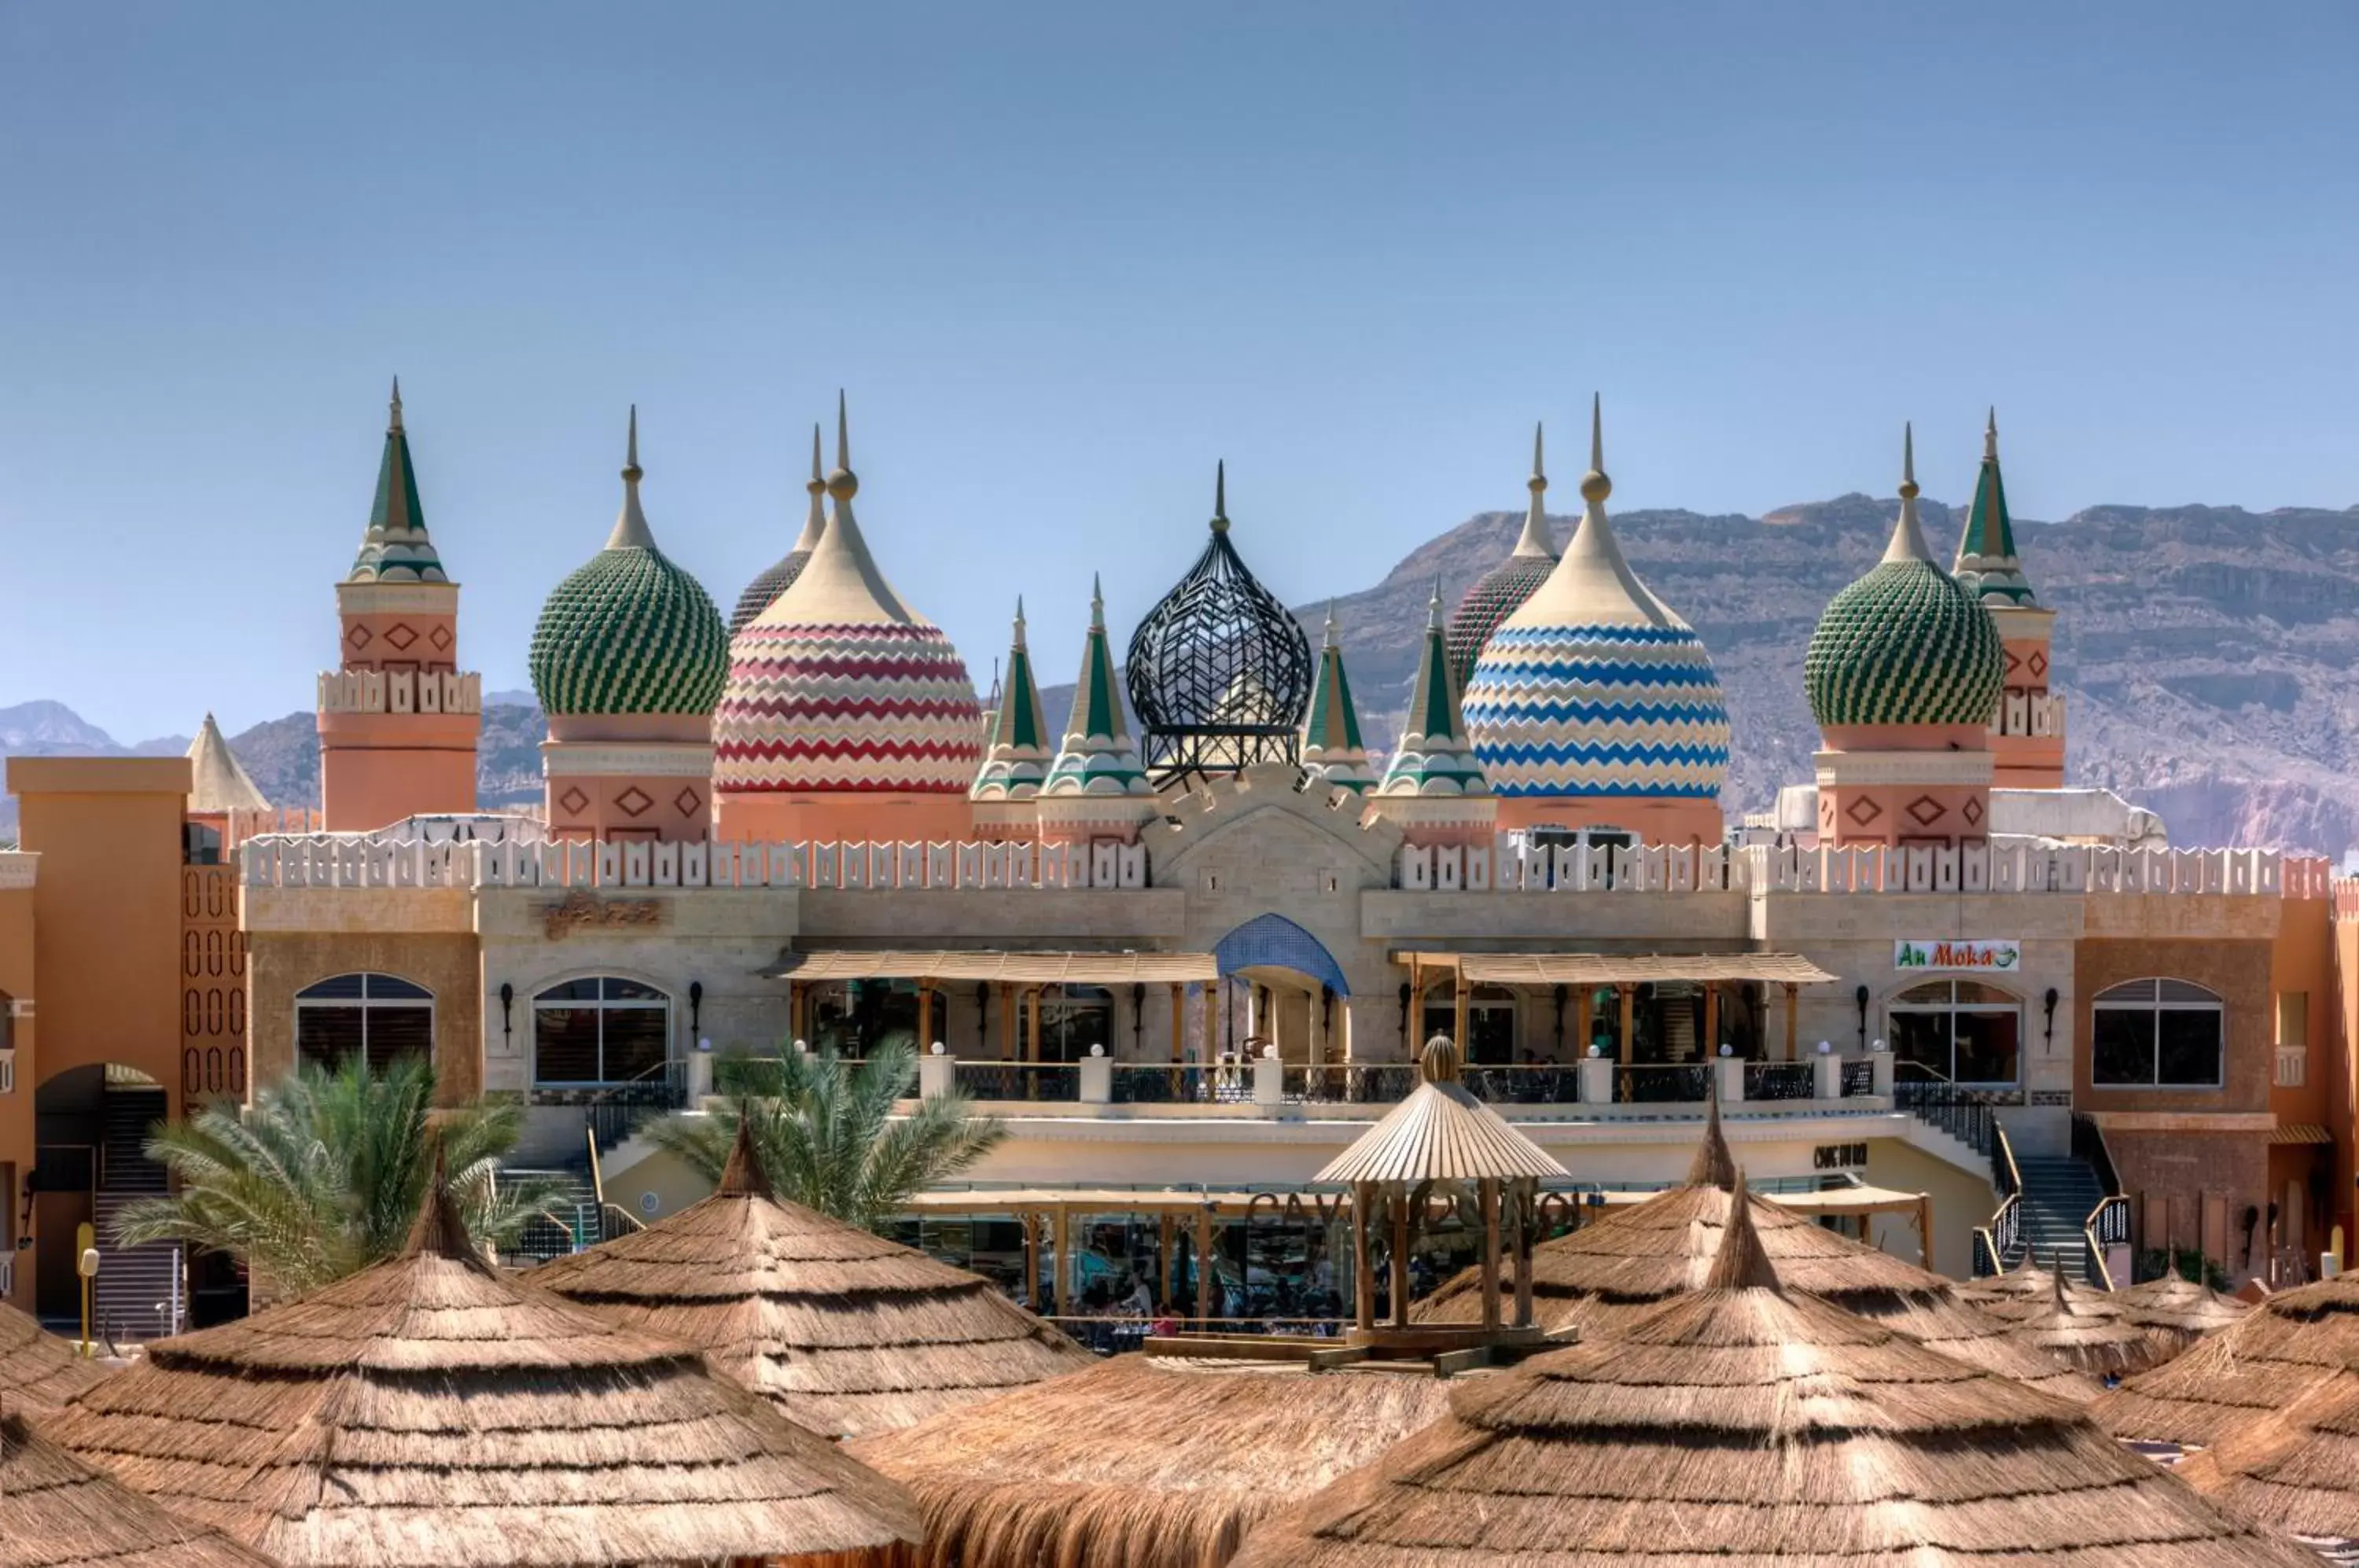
{"points": [[1594, 687]]}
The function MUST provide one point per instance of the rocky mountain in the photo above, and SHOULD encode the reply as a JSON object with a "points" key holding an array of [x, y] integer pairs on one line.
{"points": [[2207, 651]]}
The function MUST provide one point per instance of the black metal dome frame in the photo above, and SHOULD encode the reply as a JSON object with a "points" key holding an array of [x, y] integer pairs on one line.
{"points": [[1219, 671]]}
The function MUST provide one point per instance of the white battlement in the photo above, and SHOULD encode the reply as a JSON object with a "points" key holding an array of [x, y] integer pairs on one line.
{"points": [[2029, 714], [399, 692]]}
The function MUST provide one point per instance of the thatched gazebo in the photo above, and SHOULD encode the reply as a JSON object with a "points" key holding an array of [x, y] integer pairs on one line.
{"points": [[2088, 1336], [1144, 1461], [57, 1512], [1745, 1424], [2295, 1470], [39, 1371], [2280, 1351], [428, 1412], [846, 1333], [1623, 1265], [2176, 1311]]}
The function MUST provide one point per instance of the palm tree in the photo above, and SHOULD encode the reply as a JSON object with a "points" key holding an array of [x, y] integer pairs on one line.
{"points": [[326, 1172], [826, 1132]]}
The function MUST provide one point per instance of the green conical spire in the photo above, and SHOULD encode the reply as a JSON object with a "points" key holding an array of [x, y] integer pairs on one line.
{"points": [[396, 547], [1332, 751], [1098, 756], [1434, 756], [1015, 751], [1987, 563]]}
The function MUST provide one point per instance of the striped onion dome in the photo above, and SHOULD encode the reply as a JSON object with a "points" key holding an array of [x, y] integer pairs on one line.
{"points": [[1908, 644], [780, 574], [1332, 750], [839, 687], [1594, 688], [1016, 738], [1501, 592], [1098, 755], [629, 632], [1435, 758]]}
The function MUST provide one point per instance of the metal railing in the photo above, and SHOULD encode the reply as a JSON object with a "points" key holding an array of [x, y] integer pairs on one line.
{"points": [[615, 1111], [2108, 1225], [1663, 1084], [1859, 1077], [1350, 1084], [1021, 1080], [1963, 1114], [1781, 1080]]}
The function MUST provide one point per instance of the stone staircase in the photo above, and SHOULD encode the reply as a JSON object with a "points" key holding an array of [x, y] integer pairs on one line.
{"points": [[2059, 1191], [573, 1217], [141, 1293]]}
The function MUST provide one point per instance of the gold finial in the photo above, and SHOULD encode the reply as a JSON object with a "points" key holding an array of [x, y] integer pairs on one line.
{"points": [[1221, 496], [843, 484], [1990, 436], [1537, 483], [1594, 486], [1908, 462], [630, 454], [393, 426]]}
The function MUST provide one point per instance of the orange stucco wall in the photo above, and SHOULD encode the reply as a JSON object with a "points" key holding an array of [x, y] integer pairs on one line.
{"points": [[776, 819], [376, 768], [1653, 821], [17, 984]]}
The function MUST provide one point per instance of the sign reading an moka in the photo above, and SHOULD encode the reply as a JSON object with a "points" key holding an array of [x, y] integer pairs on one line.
{"points": [[1957, 956]]}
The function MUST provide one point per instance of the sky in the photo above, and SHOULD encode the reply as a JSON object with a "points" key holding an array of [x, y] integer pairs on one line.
{"points": [[1062, 258]]}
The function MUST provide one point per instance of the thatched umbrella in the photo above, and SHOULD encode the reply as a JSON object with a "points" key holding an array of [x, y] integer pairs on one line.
{"points": [[2176, 1311], [57, 1512], [39, 1371], [1748, 1425], [846, 1333], [2296, 1470], [428, 1412], [2277, 1352], [1144, 1461], [2088, 1336], [1620, 1266]]}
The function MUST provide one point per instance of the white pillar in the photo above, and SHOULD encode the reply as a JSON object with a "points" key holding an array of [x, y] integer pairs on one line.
{"points": [[1830, 1077], [937, 1073], [1730, 1070], [1097, 1077], [1596, 1081]]}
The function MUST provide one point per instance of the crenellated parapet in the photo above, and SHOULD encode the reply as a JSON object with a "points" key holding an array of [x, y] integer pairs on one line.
{"points": [[399, 692]]}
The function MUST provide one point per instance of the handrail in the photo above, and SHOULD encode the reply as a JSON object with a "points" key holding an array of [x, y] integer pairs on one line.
{"points": [[2006, 1228], [609, 1212], [1985, 1252], [2108, 1224], [2005, 1150], [2100, 1275], [2089, 1145], [597, 1176]]}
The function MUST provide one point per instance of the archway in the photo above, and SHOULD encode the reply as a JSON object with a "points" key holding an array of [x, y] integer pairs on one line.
{"points": [[1287, 990]]}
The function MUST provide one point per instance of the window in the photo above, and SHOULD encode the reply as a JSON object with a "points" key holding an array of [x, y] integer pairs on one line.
{"points": [[601, 1031], [2150, 1034], [378, 1018], [1072, 1020], [1490, 1024], [2293, 1040], [1959, 1031]]}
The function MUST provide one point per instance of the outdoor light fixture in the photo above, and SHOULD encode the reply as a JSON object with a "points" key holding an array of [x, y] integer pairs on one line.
{"points": [[1861, 996], [1405, 997], [695, 1004], [507, 1000], [1138, 1017], [2049, 1001]]}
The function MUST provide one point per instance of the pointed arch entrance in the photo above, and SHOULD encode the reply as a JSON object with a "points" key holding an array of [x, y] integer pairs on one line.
{"points": [[1283, 988]]}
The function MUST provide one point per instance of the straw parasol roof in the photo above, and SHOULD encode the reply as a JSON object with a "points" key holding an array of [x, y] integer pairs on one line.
{"points": [[39, 1371], [846, 1333], [57, 1512], [1143, 1460], [1745, 1423], [2176, 1311], [2296, 1470], [428, 1412], [1620, 1266], [2089, 1336], [1441, 1133], [2277, 1352], [2026, 1290]]}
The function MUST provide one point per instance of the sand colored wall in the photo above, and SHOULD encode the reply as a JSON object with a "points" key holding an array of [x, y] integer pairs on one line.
{"points": [[1653, 821], [17, 981], [282, 964]]}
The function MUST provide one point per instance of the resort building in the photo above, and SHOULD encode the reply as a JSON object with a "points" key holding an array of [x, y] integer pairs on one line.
{"points": [[1187, 945]]}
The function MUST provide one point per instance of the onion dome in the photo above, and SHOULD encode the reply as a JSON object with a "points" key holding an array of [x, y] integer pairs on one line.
{"points": [[1501, 592], [1332, 751], [1907, 643], [396, 548], [839, 687], [1987, 566], [219, 783], [630, 632], [1016, 738], [1594, 687], [1098, 756], [777, 578], [1435, 758], [1220, 671]]}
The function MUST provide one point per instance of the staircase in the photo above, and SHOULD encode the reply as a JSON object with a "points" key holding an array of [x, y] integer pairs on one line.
{"points": [[2059, 1194], [572, 1221], [140, 1294]]}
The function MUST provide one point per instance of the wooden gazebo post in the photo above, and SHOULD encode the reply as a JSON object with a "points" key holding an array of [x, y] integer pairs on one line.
{"points": [[1364, 1209], [1527, 1219], [1488, 1189], [1793, 1008], [1204, 1264], [1400, 1202]]}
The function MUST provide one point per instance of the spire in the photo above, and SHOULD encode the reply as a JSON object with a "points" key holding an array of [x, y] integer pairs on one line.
{"points": [[815, 519], [1594, 484], [1221, 496], [218, 784], [743, 1176], [1713, 1165], [842, 583], [1015, 747], [1533, 542], [1987, 563], [1593, 585], [395, 547], [1097, 757], [1332, 750], [1907, 534], [1742, 1263], [631, 530], [1434, 756]]}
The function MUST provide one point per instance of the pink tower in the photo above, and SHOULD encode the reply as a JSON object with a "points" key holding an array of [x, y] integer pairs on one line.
{"points": [[2027, 734], [398, 719]]}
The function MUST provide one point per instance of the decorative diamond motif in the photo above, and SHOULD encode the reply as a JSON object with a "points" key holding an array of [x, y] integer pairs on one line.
{"points": [[1925, 810], [401, 635], [360, 637], [2014, 661], [686, 802], [573, 801], [1972, 812], [1863, 811], [2039, 664], [634, 802], [441, 637]]}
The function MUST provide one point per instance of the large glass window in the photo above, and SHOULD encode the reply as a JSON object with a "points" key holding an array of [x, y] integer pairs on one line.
{"points": [[1958, 1032], [601, 1031], [377, 1018], [1490, 1024], [1072, 1020], [2158, 1034]]}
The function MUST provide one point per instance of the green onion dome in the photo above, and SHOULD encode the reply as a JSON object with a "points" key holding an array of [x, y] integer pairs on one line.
{"points": [[1907, 643], [630, 631]]}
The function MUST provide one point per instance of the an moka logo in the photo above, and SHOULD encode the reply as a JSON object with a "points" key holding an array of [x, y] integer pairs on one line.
{"points": [[1957, 954]]}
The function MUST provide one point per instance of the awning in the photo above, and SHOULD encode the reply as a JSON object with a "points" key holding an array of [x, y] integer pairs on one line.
{"points": [[1017, 968], [1848, 1201], [2300, 1132], [1619, 968], [1237, 1203]]}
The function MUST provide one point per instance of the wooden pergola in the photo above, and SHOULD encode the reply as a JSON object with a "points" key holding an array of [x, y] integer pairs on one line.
{"points": [[1586, 973]]}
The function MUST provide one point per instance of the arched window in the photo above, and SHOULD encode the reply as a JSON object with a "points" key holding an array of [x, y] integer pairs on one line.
{"points": [[378, 1018], [600, 1031], [1961, 1032], [2158, 1034]]}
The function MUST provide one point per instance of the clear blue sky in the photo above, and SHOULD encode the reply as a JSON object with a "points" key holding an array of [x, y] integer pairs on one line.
{"points": [[1064, 257]]}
